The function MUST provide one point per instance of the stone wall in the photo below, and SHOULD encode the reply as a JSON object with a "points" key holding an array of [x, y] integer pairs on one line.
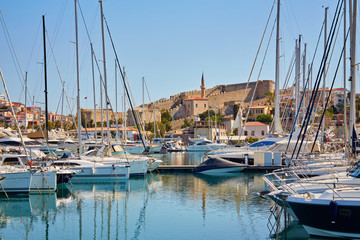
{"points": [[226, 96]]}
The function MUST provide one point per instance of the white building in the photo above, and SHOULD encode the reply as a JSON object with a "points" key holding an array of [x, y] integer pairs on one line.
{"points": [[339, 96], [256, 130]]}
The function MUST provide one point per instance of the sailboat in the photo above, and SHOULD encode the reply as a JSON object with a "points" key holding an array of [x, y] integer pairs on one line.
{"points": [[245, 154], [90, 171]]}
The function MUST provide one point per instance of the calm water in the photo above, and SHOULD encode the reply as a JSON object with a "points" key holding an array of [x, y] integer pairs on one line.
{"points": [[159, 206]]}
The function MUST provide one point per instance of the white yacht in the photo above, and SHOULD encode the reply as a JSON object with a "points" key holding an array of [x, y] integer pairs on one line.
{"points": [[43, 180], [93, 171], [204, 145], [14, 180], [139, 164]]}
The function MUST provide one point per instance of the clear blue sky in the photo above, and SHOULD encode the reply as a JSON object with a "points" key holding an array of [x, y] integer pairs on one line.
{"points": [[170, 43]]}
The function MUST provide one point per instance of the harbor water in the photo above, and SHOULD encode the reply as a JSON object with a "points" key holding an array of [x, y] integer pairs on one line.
{"points": [[158, 206]]}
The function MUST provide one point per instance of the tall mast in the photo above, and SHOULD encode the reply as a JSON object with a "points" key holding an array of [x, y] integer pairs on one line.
{"points": [[33, 103], [62, 107], [215, 123], [154, 121], [297, 76], [94, 92], [25, 101], [116, 102], [277, 123], [172, 122], [353, 16], [345, 91], [101, 110], [13, 113], [78, 78], [45, 77], [209, 121], [324, 74], [143, 113], [304, 81], [125, 110], [105, 78]]}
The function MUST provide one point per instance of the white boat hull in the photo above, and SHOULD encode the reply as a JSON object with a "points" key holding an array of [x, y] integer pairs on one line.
{"points": [[16, 183], [43, 182], [101, 174]]}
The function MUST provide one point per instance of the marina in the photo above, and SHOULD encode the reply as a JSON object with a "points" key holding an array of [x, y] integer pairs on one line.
{"points": [[262, 151], [190, 206]]}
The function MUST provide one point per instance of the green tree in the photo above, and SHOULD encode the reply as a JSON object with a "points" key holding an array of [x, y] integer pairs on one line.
{"points": [[252, 140], [270, 97], [166, 117], [186, 123], [264, 118]]}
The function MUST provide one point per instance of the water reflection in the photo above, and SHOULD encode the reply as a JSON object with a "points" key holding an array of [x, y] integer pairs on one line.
{"points": [[181, 158], [207, 207]]}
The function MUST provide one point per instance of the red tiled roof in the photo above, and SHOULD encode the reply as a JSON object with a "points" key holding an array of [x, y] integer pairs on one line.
{"points": [[255, 124]]}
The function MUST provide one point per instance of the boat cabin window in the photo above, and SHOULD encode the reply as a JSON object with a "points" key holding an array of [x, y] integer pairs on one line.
{"points": [[65, 164], [11, 161], [263, 143]]}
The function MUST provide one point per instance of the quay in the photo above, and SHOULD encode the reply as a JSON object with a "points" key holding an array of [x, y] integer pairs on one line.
{"points": [[189, 168]]}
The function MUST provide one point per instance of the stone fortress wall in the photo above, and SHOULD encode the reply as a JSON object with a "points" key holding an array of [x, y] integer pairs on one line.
{"points": [[226, 96]]}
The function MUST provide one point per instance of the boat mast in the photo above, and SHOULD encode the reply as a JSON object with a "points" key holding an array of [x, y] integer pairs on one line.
{"points": [[304, 81], [105, 78], [62, 108], [45, 78], [25, 101], [215, 124], [78, 79], [297, 77], [154, 121], [324, 81], [94, 92], [125, 111], [33, 104], [277, 123], [345, 91], [143, 113], [352, 16], [13, 113], [116, 102], [172, 122], [209, 121]]}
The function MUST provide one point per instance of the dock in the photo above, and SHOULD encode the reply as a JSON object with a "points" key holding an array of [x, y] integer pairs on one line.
{"points": [[176, 168], [189, 168]]}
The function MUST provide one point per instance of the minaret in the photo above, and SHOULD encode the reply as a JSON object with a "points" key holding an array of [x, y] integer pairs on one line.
{"points": [[202, 86]]}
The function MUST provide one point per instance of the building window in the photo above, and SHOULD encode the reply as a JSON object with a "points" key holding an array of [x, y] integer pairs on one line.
{"points": [[195, 105], [245, 133], [263, 133], [252, 133], [204, 105]]}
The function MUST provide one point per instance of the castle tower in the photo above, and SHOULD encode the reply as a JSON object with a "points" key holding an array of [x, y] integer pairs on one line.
{"points": [[202, 86]]}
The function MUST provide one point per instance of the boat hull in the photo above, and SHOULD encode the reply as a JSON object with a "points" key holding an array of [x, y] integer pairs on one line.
{"points": [[101, 174], [344, 224], [43, 181], [15, 183]]}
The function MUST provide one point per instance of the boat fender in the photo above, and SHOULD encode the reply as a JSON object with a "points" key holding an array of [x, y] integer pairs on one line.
{"points": [[113, 166], [333, 211]]}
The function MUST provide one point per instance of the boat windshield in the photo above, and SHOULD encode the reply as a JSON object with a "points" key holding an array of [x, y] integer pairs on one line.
{"points": [[262, 143]]}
